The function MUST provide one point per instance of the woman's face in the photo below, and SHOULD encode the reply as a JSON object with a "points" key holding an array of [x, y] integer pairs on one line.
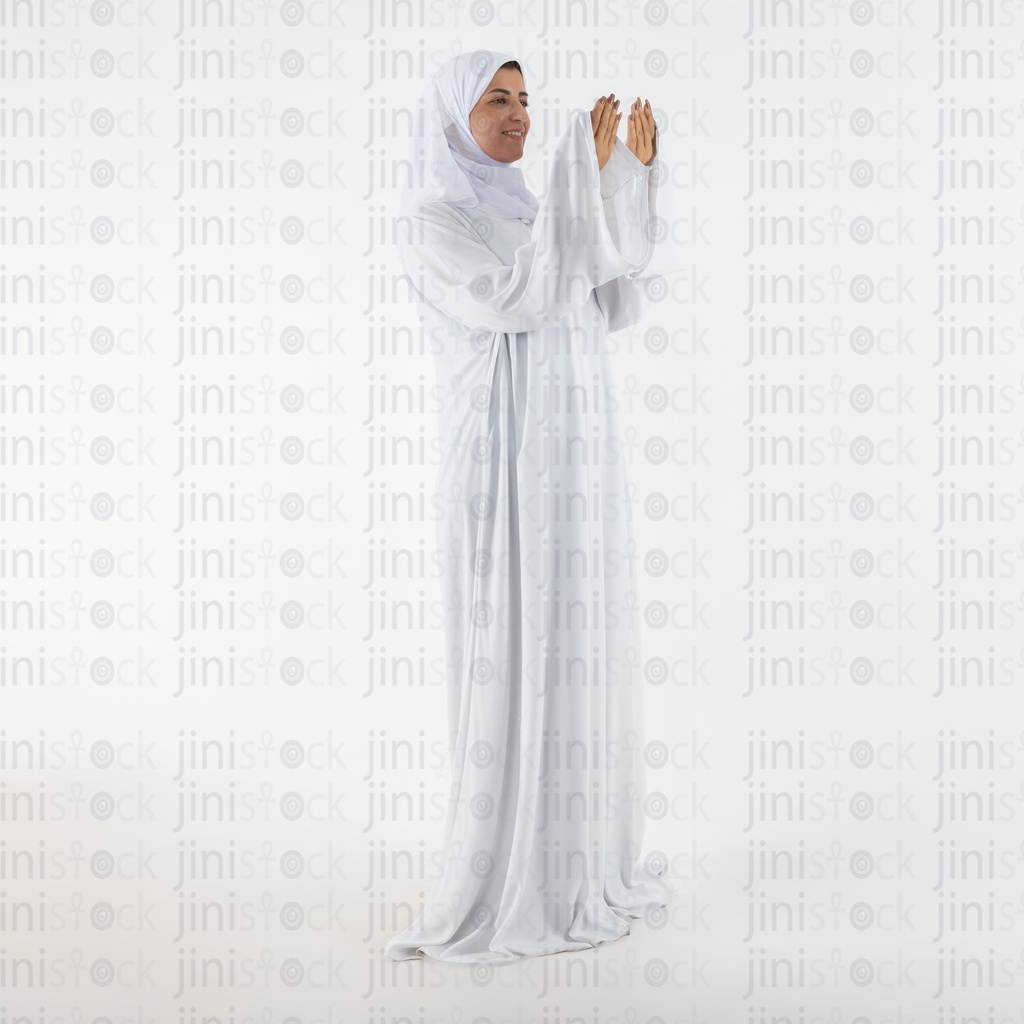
{"points": [[499, 121]]}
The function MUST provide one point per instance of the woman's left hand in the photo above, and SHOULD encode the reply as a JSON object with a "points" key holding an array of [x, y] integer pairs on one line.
{"points": [[642, 132]]}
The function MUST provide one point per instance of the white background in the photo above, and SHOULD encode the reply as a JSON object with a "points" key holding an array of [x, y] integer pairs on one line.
{"points": [[97, 811]]}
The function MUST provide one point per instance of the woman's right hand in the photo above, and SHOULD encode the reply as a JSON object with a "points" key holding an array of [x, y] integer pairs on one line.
{"points": [[605, 122]]}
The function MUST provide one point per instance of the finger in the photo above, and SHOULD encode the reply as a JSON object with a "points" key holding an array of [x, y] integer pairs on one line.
{"points": [[641, 125], [613, 121], [608, 133], [632, 131], [599, 125], [644, 121], [610, 109]]}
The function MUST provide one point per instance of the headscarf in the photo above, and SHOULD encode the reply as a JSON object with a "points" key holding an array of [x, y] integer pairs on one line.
{"points": [[447, 163]]}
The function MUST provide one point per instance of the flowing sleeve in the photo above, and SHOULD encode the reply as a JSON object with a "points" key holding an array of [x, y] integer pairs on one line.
{"points": [[628, 192], [573, 249]]}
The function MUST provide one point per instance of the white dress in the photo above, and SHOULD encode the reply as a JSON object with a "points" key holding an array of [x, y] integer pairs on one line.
{"points": [[545, 818]]}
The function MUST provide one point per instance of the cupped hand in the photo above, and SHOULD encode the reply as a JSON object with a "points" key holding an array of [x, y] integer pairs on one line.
{"points": [[605, 122], [642, 132]]}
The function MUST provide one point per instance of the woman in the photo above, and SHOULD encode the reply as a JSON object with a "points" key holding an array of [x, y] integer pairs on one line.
{"points": [[545, 821]]}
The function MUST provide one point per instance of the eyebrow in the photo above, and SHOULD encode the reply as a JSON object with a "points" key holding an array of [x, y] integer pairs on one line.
{"points": [[508, 92]]}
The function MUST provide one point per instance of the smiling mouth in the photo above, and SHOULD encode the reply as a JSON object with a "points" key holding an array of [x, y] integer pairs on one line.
{"points": [[514, 135]]}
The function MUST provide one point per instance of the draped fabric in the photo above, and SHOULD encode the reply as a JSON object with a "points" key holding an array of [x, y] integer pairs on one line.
{"points": [[545, 822]]}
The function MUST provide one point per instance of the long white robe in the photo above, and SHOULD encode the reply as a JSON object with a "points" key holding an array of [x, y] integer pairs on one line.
{"points": [[544, 828]]}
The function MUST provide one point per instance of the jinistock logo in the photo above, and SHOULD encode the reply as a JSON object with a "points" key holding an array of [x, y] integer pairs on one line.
{"points": [[611, 605]]}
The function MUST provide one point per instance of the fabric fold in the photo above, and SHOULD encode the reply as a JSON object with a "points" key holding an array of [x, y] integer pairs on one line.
{"points": [[544, 832]]}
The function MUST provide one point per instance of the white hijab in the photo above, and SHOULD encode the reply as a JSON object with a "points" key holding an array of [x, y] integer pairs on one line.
{"points": [[447, 163]]}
